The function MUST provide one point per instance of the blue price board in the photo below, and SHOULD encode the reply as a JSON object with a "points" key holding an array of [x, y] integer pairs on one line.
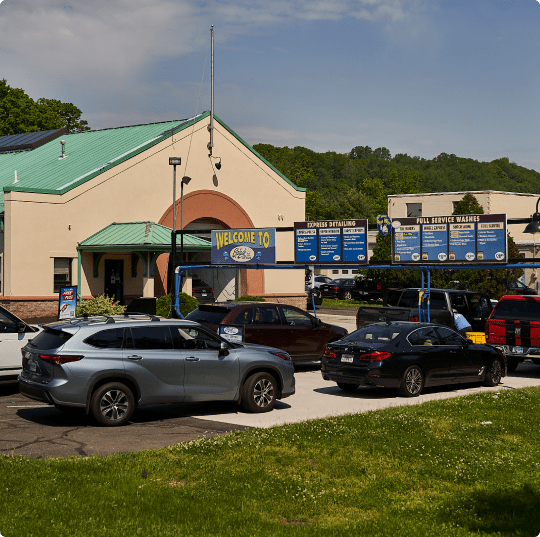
{"points": [[243, 246], [331, 242], [478, 238]]}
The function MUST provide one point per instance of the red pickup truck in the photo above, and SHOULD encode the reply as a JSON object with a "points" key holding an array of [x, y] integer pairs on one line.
{"points": [[514, 325]]}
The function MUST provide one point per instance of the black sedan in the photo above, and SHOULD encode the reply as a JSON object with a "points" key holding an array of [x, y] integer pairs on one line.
{"points": [[409, 356], [338, 288]]}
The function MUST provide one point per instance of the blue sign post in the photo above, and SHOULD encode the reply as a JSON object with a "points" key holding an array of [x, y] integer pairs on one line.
{"points": [[450, 239], [331, 242]]}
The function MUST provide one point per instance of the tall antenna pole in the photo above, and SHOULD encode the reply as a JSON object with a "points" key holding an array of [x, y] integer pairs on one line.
{"points": [[212, 90]]}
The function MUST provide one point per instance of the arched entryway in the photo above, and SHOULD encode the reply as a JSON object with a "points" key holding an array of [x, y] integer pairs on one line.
{"points": [[206, 206]]}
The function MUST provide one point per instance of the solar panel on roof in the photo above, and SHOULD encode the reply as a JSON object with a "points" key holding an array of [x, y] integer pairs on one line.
{"points": [[28, 140]]}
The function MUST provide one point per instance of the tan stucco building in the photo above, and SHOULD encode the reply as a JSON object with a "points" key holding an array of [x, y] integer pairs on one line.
{"points": [[57, 196]]}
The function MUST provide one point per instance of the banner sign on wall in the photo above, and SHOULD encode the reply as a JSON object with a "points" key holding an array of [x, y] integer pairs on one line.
{"points": [[331, 242], [67, 304], [243, 246], [478, 238]]}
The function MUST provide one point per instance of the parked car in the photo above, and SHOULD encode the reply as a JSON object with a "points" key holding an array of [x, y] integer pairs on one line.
{"points": [[318, 281], [339, 288], [14, 335], [202, 291], [519, 288], [367, 289], [110, 365], [514, 326], [409, 356], [289, 328]]}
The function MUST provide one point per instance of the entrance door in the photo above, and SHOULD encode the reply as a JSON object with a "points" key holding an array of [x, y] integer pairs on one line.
{"points": [[114, 279]]}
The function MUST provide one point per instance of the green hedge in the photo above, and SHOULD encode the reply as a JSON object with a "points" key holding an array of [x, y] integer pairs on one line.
{"points": [[187, 304], [101, 305], [249, 298]]}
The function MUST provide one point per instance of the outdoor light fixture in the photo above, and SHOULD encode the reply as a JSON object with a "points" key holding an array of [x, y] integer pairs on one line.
{"points": [[534, 225], [174, 161], [218, 164]]}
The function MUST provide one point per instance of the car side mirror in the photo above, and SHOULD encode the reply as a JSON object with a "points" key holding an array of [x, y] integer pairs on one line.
{"points": [[21, 327], [224, 349]]}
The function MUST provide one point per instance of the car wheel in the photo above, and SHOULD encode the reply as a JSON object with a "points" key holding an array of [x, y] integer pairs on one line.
{"points": [[412, 382], [512, 364], [112, 404], [493, 373], [259, 393], [346, 387], [347, 295]]}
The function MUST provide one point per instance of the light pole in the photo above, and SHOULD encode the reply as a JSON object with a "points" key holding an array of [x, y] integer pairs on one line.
{"points": [[173, 161], [534, 227], [185, 181]]}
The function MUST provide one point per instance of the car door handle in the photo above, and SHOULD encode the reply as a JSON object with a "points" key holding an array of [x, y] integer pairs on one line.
{"points": [[134, 357], [192, 359]]}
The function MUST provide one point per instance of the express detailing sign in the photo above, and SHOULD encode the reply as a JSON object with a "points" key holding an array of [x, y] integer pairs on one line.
{"points": [[478, 238], [331, 242], [243, 246], [67, 304]]}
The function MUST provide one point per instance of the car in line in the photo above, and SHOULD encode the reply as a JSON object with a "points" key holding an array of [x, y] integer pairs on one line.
{"points": [[110, 365], [203, 292], [314, 297], [519, 288], [286, 327], [14, 335], [341, 288], [318, 281], [409, 356]]}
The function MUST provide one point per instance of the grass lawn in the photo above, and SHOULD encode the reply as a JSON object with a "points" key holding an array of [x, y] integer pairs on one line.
{"points": [[355, 304], [462, 466]]}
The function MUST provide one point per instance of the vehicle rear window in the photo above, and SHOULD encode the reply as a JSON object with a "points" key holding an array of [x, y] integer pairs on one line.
{"points": [[107, 339], [437, 301], [208, 315], [49, 339], [373, 334], [517, 309]]}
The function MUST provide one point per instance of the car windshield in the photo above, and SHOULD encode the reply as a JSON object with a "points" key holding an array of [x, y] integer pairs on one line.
{"points": [[213, 315], [517, 309], [373, 334]]}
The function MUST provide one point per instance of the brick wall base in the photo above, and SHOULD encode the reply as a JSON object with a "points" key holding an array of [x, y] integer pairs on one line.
{"points": [[31, 307], [293, 299]]}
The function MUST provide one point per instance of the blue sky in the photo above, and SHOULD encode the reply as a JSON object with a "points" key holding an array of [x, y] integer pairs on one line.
{"points": [[420, 77]]}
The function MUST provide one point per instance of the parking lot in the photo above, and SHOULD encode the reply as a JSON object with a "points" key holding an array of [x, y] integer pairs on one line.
{"points": [[33, 429]]}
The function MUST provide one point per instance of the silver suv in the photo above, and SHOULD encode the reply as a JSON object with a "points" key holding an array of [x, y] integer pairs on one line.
{"points": [[109, 365]]}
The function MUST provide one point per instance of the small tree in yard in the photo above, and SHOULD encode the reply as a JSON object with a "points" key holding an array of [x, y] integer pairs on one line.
{"points": [[101, 305], [187, 304]]}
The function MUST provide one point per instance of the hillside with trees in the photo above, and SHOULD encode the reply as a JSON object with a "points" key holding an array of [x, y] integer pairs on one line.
{"points": [[357, 184]]}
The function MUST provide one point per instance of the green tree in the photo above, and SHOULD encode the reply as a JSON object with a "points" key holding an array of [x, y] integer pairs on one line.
{"points": [[468, 205], [19, 113]]}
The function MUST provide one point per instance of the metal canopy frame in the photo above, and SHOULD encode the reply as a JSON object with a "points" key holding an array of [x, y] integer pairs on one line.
{"points": [[424, 314]]}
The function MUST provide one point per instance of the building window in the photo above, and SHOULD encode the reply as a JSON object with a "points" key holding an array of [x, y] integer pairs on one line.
{"points": [[355, 271], [335, 271], [454, 203], [62, 273], [414, 209], [344, 272]]}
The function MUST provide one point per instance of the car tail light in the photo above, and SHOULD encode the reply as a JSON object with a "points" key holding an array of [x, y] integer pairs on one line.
{"points": [[58, 360], [329, 354], [413, 319], [375, 356], [334, 287]]}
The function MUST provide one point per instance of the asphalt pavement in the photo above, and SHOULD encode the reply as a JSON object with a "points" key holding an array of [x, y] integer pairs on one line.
{"points": [[29, 428]]}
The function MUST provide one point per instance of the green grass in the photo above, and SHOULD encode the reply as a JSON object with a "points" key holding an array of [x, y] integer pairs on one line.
{"points": [[355, 304], [461, 466]]}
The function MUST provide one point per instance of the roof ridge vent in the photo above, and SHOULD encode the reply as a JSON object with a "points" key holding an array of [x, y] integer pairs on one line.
{"points": [[63, 144]]}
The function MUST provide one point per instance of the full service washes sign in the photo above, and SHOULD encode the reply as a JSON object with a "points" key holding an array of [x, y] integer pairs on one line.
{"points": [[331, 242], [243, 246], [479, 238]]}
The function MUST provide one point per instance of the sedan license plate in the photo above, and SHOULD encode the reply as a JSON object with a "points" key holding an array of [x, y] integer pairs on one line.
{"points": [[517, 350], [203, 293], [347, 358]]}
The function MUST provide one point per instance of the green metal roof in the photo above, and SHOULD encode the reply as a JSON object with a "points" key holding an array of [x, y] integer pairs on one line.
{"points": [[139, 236], [88, 154]]}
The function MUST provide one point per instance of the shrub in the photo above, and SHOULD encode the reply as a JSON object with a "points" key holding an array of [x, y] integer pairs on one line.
{"points": [[249, 298], [187, 304], [101, 305]]}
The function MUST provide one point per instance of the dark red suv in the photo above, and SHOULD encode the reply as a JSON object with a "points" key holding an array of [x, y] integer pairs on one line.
{"points": [[278, 325]]}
